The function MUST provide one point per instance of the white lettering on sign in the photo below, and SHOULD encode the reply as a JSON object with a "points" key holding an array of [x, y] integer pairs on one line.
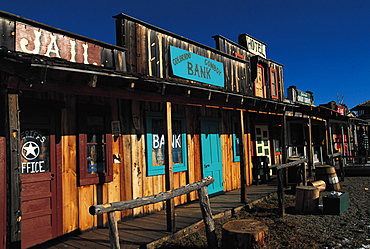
{"points": [[33, 167], [256, 47], [158, 142], [33, 40]]}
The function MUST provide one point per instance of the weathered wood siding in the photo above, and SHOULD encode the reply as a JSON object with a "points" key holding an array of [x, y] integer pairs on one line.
{"points": [[148, 54]]}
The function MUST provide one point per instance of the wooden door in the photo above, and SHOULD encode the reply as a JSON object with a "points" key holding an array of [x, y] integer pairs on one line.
{"points": [[38, 173], [212, 154], [263, 141]]}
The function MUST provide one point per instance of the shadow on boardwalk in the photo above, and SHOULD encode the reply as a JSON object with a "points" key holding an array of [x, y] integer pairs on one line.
{"points": [[150, 231]]}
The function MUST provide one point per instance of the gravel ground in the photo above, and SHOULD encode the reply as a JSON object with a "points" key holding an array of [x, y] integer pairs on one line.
{"points": [[351, 229]]}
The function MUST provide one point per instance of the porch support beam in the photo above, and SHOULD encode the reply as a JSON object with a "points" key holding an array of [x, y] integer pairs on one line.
{"points": [[170, 206], [243, 159]]}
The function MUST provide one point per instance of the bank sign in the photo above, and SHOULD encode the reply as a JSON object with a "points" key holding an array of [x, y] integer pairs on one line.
{"points": [[195, 67]]}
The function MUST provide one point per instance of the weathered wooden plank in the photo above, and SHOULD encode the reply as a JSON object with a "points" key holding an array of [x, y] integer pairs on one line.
{"points": [[113, 231], [123, 205], [15, 175], [87, 197], [170, 204], [243, 159], [205, 206]]}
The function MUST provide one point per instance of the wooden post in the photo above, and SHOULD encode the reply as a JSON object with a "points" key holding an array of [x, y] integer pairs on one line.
{"points": [[205, 206], [285, 140], [280, 191], [113, 231], [310, 148], [243, 160], [15, 219], [332, 162], [341, 166], [304, 173], [170, 206]]}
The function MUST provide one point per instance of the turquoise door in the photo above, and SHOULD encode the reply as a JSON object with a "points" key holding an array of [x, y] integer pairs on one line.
{"points": [[211, 154]]}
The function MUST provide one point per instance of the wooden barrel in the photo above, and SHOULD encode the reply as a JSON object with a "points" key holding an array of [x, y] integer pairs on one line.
{"points": [[307, 199], [329, 176], [320, 184]]}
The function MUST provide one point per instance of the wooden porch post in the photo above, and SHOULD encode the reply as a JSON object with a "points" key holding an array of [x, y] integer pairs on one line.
{"points": [[170, 206], [14, 172], [285, 140], [310, 147], [243, 160]]}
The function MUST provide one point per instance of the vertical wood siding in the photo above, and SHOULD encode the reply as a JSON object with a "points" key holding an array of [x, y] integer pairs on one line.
{"points": [[148, 54]]}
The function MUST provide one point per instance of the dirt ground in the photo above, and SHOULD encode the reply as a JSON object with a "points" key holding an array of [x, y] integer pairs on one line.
{"points": [[351, 229]]}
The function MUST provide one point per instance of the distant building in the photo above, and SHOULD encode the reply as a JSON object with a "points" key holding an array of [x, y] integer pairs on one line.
{"points": [[363, 110]]}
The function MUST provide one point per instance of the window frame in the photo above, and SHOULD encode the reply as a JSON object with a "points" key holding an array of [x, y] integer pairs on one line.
{"points": [[160, 169], [275, 83], [263, 82], [98, 178]]}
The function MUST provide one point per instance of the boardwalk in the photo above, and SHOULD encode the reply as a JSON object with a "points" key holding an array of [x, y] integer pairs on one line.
{"points": [[150, 231]]}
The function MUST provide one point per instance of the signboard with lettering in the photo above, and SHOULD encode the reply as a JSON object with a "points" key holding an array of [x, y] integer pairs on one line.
{"points": [[341, 109], [195, 67], [34, 152], [304, 97], [253, 45], [34, 40]]}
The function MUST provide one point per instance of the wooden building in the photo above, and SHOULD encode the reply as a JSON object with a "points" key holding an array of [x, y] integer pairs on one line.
{"points": [[85, 122]]}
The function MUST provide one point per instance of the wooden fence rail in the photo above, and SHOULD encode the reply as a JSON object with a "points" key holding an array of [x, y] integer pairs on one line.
{"points": [[280, 170], [205, 206]]}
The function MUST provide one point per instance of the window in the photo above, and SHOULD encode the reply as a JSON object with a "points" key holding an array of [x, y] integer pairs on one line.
{"points": [[156, 144], [236, 140], [274, 83], [95, 146], [259, 83]]}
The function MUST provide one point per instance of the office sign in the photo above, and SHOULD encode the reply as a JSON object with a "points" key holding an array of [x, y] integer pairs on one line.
{"points": [[34, 152], [195, 67]]}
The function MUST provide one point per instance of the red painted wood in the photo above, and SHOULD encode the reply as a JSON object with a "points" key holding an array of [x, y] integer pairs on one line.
{"points": [[40, 209]]}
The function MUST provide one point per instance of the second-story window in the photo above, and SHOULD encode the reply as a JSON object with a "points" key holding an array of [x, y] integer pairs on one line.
{"points": [[274, 84], [259, 84]]}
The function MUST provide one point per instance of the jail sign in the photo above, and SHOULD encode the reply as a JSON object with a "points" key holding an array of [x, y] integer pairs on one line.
{"points": [[34, 152]]}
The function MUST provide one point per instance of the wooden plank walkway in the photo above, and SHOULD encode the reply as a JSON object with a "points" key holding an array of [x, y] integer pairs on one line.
{"points": [[150, 231]]}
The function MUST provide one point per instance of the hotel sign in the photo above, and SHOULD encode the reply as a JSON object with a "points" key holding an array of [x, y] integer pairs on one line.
{"points": [[195, 67], [255, 46], [34, 40]]}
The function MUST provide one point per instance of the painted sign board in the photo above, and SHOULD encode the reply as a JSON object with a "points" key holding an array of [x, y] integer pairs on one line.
{"points": [[34, 152], [195, 67], [254, 46], [303, 97], [341, 109], [34, 40]]}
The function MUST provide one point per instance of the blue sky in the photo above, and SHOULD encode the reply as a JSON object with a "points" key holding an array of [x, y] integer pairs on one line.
{"points": [[323, 45]]}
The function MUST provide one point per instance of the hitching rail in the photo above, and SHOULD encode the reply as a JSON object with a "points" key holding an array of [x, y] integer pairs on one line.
{"points": [[280, 176], [205, 206]]}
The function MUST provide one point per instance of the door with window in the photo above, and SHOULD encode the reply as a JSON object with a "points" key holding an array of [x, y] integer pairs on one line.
{"points": [[40, 214], [263, 141], [212, 154]]}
